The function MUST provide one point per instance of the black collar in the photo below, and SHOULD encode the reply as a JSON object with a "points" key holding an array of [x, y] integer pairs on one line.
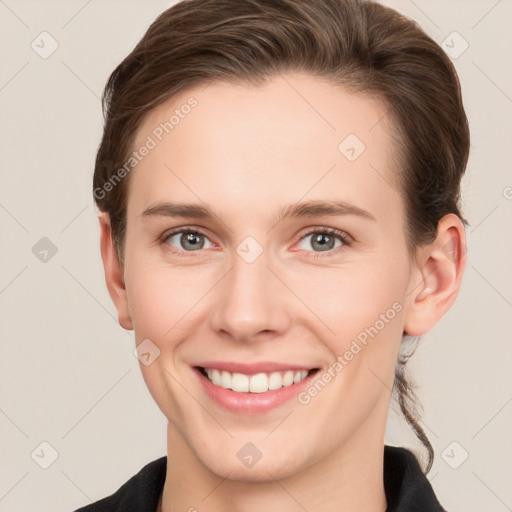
{"points": [[407, 488]]}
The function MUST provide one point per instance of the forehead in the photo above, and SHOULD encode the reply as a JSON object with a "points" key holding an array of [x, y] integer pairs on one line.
{"points": [[292, 136]]}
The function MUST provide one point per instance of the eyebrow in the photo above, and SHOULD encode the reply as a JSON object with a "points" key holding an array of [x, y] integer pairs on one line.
{"points": [[315, 208]]}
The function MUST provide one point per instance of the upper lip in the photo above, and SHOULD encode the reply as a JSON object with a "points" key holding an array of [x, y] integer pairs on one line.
{"points": [[253, 368]]}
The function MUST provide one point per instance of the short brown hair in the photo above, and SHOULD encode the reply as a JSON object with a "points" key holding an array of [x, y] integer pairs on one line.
{"points": [[361, 45]]}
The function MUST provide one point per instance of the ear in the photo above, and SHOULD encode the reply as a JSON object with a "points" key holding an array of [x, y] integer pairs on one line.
{"points": [[114, 273], [436, 280]]}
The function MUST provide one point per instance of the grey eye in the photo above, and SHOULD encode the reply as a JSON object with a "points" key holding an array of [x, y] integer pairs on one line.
{"points": [[188, 241], [320, 241]]}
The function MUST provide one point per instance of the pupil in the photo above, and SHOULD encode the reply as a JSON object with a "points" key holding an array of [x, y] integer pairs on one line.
{"points": [[324, 240], [191, 240]]}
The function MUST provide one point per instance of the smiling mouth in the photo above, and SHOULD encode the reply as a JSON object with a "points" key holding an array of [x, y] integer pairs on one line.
{"points": [[255, 383]]}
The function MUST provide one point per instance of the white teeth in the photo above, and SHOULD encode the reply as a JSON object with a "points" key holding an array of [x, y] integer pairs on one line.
{"points": [[288, 378], [258, 383], [216, 378], [240, 382], [226, 380], [275, 381]]}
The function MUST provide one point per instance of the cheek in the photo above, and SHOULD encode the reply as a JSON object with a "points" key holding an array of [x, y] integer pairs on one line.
{"points": [[350, 299], [165, 301], [164, 306], [338, 303]]}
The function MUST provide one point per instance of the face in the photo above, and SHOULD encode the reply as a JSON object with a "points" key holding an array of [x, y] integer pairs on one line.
{"points": [[265, 247]]}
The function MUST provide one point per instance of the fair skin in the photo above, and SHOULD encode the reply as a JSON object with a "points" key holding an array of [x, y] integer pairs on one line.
{"points": [[246, 153]]}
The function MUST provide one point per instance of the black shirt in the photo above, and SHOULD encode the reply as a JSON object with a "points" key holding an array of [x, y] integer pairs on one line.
{"points": [[407, 488]]}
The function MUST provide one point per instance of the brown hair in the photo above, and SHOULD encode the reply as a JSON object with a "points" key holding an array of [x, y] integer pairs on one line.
{"points": [[361, 45]]}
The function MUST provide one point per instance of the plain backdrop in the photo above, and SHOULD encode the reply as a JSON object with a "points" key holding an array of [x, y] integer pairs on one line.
{"points": [[71, 393]]}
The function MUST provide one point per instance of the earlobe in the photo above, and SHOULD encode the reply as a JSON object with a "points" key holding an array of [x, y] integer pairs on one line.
{"points": [[114, 273], [435, 284]]}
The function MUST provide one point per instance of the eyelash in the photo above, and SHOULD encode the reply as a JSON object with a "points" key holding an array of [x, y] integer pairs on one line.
{"points": [[345, 239]]}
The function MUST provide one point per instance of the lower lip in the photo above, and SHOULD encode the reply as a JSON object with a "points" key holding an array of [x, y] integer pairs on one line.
{"points": [[254, 403]]}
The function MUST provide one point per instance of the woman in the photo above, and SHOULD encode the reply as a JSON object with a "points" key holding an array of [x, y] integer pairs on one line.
{"points": [[279, 194]]}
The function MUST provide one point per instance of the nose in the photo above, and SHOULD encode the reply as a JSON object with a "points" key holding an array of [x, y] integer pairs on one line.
{"points": [[251, 302]]}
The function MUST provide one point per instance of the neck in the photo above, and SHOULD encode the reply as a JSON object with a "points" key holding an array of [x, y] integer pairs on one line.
{"points": [[348, 480]]}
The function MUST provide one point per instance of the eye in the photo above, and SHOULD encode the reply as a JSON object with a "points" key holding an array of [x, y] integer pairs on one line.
{"points": [[186, 240], [324, 240], [321, 240]]}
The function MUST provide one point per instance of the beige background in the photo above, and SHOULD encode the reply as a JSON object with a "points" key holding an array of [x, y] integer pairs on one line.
{"points": [[67, 373]]}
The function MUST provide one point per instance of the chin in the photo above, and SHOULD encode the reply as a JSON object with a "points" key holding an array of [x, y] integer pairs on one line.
{"points": [[261, 472], [250, 464]]}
